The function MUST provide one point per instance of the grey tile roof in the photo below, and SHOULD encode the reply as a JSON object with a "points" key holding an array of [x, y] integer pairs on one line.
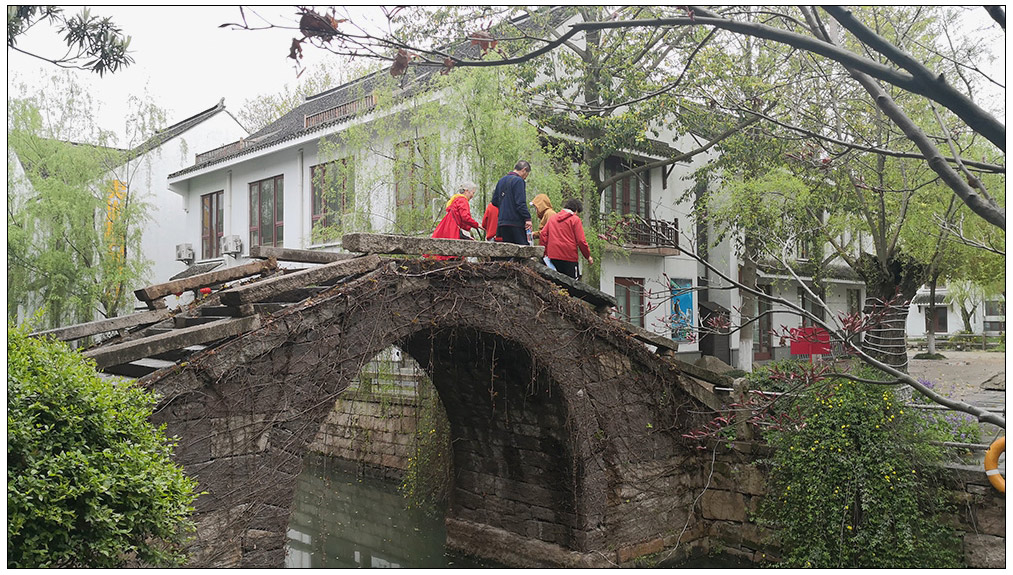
{"points": [[924, 298], [166, 134]]}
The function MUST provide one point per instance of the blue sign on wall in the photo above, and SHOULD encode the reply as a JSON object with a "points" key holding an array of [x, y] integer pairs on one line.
{"points": [[681, 319]]}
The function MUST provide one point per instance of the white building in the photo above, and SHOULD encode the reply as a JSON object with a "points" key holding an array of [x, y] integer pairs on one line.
{"points": [[147, 168], [141, 174], [988, 315]]}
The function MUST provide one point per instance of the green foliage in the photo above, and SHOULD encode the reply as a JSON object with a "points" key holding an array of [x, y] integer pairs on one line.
{"points": [[427, 479], [421, 141], [856, 485], [90, 482], [73, 244]]}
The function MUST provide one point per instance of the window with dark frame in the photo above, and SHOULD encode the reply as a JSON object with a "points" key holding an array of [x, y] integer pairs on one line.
{"points": [[940, 324], [812, 306], [212, 216], [333, 186], [995, 326], [630, 300], [267, 223], [630, 194]]}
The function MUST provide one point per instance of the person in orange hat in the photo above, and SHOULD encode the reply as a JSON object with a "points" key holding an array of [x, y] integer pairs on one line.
{"points": [[544, 211]]}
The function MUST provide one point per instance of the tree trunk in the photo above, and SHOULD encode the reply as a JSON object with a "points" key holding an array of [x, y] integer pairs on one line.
{"points": [[930, 333], [890, 287], [748, 311]]}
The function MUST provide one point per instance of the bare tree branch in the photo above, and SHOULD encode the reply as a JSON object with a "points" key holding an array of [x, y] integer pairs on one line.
{"points": [[991, 212], [965, 108], [684, 156]]}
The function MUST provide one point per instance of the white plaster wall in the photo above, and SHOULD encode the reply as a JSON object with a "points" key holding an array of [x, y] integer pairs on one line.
{"points": [[374, 190], [148, 174]]}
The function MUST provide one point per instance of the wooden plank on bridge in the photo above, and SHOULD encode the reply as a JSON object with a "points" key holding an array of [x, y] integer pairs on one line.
{"points": [[78, 331], [597, 298], [301, 256], [171, 340], [157, 291], [392, 244], [659, 341], [264, 289]]}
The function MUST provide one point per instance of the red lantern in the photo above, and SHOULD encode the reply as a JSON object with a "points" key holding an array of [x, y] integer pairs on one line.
{"points": [[205, 290]]}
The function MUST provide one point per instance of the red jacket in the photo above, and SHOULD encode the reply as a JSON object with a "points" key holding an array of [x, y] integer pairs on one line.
{"points": [[490, 220], [563, 235], [458, 218]]}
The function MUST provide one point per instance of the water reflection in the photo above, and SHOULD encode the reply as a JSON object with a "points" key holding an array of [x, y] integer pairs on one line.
{"points": [[343, 521]]}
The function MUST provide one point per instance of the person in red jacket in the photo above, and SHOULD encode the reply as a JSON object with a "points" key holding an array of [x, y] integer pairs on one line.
{"points": [[458, 217], [489, 221], [563, 236]]}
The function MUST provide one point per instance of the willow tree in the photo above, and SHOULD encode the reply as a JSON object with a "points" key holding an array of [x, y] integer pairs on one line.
{"points": [[73, 228], [424, 135]]}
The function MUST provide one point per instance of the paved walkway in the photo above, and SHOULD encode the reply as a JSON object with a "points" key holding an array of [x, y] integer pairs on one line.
{"points": [[977, 377]]}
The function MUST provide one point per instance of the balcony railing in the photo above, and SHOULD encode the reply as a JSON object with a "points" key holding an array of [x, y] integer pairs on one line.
{"points": [[653, 233], [346, 110]]}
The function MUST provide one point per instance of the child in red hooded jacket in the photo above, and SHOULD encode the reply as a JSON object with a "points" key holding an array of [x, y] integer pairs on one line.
{"points": [[563, 236]]}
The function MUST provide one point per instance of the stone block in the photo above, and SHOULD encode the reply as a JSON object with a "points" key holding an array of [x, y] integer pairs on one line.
{"points": [[984, 551], [991, 519], [723, 505], [630, 552]]}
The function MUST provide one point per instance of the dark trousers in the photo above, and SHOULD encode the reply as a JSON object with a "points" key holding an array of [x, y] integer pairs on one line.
{"points": [[566, 268], [513, 234]]}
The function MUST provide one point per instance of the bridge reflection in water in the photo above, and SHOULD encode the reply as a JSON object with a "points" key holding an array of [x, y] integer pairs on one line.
{"points": [[341, 520]]}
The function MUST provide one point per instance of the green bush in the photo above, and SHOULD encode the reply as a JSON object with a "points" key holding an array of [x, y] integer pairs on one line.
{"points": [[853, 483], [90, 482]]}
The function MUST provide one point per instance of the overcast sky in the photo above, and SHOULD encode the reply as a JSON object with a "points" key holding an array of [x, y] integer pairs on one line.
{"points": [[181, 56], [187, 63]]}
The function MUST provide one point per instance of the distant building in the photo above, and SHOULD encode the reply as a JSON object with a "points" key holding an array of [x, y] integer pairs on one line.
{"points": [[988, 315]]}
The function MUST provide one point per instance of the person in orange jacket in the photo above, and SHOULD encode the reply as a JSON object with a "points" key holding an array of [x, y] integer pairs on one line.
{"points": [[563, 237], [544, 211], [458, 217]]}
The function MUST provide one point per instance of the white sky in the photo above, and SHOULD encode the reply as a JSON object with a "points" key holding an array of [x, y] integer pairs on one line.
{"points": [[181, 57], [187, 63]]}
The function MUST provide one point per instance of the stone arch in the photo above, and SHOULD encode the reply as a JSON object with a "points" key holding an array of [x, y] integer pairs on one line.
{"points": [[556, 413]]}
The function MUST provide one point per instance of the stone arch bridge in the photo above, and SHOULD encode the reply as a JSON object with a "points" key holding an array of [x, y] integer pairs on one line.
{"points": [[566, 425]]}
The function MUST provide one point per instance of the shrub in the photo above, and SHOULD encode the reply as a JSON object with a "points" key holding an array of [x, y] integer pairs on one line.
{"points": [[90, 482], [854, 483]]}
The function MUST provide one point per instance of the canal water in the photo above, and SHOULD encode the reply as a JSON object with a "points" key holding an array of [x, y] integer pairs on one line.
{"points": [[341, 520]]}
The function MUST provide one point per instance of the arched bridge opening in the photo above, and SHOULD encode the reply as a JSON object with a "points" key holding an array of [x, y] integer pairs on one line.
{"points": [[566, 431]]}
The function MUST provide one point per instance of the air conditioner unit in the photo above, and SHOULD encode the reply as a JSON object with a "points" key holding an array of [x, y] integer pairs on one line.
{"points": [[232, 245], [184, 253]]}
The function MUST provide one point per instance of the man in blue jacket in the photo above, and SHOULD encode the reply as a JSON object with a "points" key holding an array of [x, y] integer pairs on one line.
{"points": [[511, 198]]}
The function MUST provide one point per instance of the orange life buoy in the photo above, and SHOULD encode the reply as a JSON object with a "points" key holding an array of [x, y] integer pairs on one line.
{"points": [[992, 464]]}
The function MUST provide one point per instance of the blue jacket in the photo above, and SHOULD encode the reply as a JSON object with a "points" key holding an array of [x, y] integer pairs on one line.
{"points": [[510, 196]]}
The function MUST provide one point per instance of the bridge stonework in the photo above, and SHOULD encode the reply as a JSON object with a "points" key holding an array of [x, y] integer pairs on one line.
{"points": [[566, 431]]}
